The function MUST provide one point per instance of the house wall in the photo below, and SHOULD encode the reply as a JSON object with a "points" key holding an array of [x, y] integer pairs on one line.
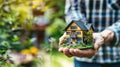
{"points": [[76, 30], [78, 35], [91, 30], [75, 35], [67, 35], [81, 34], [73, 24]]}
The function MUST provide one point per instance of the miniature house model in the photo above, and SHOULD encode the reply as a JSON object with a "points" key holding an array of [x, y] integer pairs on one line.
{"points": [[79, 33]]}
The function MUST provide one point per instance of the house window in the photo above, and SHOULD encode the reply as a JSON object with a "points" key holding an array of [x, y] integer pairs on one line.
{"points": [[76, 41], [68, 40], [73, 27], [72, 35], [79, 38], [68, 33], [78, 32]]}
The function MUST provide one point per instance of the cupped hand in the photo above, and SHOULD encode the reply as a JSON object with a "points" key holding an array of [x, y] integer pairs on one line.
{"points": [[98, 41]]}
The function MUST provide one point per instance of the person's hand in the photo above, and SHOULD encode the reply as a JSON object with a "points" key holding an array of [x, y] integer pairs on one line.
{"points": [[99, 39], [62, 38], [83, 53]]}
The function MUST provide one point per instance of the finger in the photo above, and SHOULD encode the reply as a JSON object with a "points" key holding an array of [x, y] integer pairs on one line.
{"points": [[61, 39], [72, 51], [85, 53], [60, 43], [79, 53], [60, 49], [66, 52], [99, 41], [96, 46]]}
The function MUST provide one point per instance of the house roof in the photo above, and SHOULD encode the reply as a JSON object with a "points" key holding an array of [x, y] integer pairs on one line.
{"points": [[81, 24]]}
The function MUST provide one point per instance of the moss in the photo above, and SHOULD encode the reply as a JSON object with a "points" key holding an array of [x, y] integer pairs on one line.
{"points": [[79, 46]]}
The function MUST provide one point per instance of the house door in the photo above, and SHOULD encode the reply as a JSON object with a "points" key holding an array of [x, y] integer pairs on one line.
{"points": [[73, 35], [68, 40]]}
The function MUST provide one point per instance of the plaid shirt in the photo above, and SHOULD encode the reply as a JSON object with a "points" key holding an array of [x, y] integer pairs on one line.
{"points": [[103, 14]]}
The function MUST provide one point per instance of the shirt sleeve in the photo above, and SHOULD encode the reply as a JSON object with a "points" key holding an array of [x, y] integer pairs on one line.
{"points": [[73, 10], [116, 29]]}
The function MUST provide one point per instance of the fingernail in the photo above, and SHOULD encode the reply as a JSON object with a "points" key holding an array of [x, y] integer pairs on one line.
{"points": [[71, 50], [65, 49], [96, 47], [74, 50]]}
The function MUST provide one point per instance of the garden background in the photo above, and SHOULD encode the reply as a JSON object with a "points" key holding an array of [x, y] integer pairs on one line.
{"points": [[29, 33]]}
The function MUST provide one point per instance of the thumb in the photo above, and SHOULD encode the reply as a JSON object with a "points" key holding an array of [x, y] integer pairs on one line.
{"points": [[62, 38], [96, 47], [99, 41]]}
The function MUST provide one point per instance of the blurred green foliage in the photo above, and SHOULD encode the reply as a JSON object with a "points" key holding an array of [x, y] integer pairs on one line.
{"points": [[55, 29], [16, 23], [14, 18], [57, 8]]}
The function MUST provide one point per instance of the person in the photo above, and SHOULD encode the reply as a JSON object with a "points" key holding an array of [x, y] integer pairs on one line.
{"points": [[105, 17]]}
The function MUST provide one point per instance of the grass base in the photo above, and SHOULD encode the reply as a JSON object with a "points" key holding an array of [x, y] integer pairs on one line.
{"points": [[79, 46]]}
